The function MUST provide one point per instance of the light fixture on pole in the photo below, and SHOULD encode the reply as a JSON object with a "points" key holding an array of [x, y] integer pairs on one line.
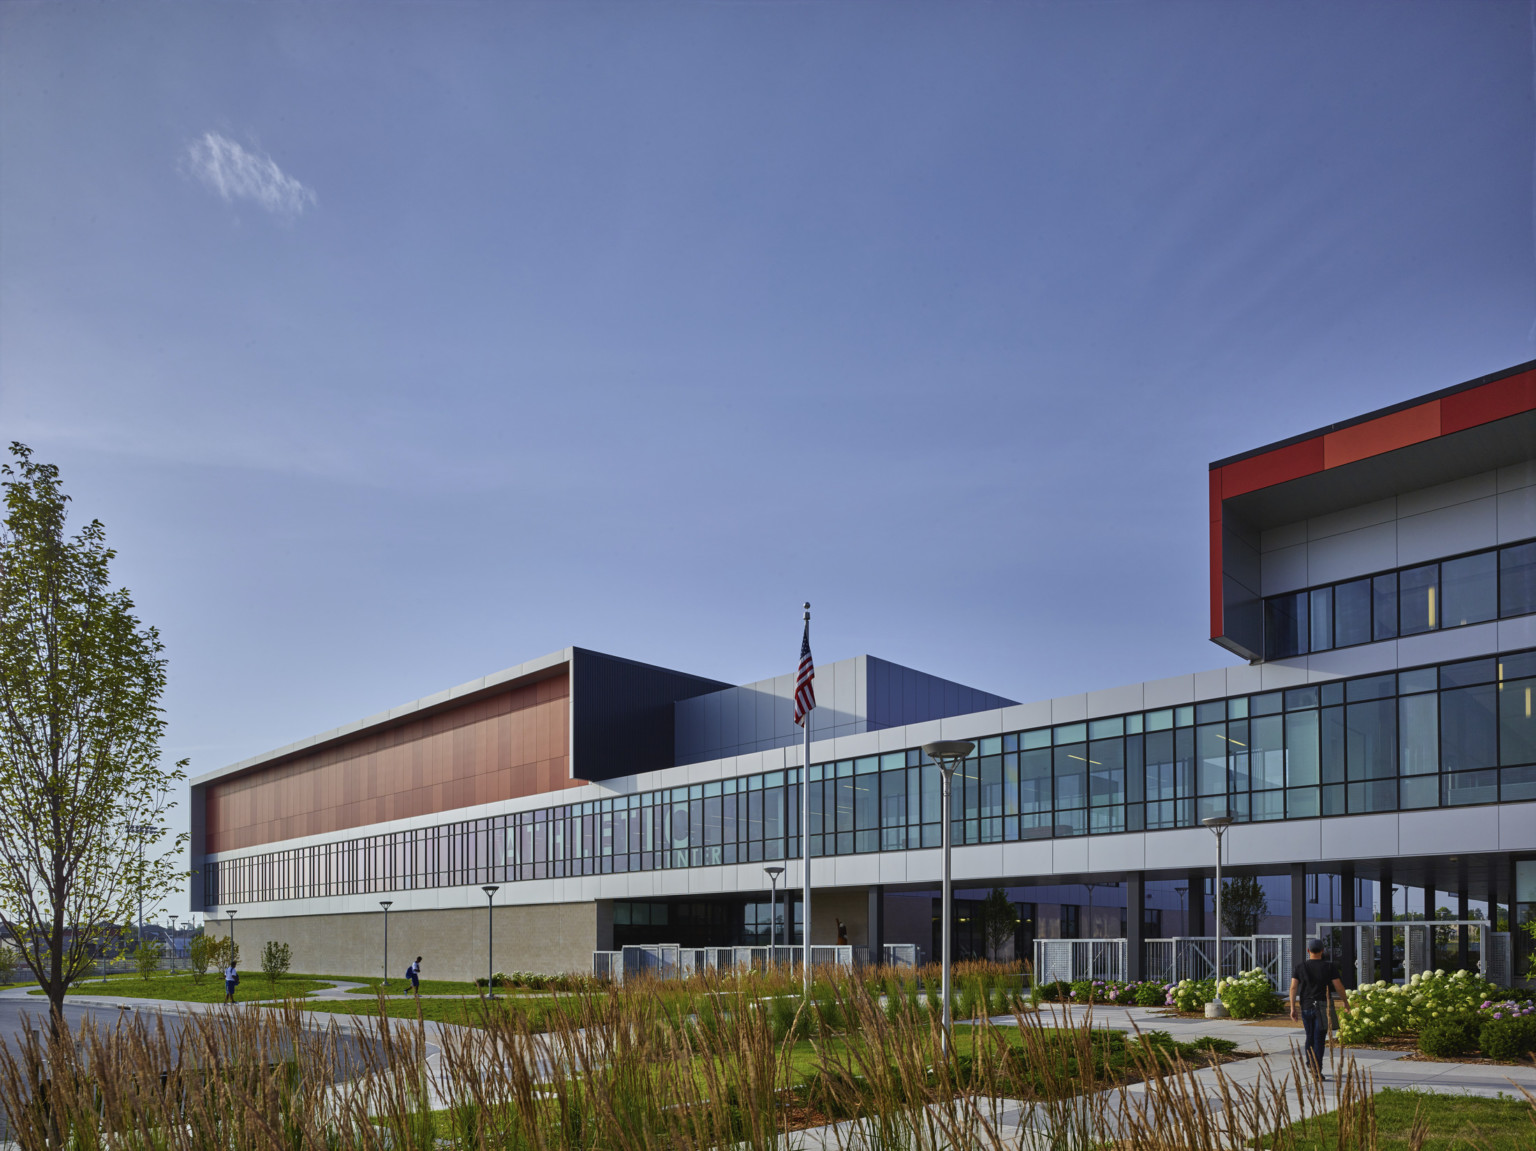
{"points": [[948, 754], [1218, 825], [232, 912], [1182, 890], [384, 903], [490, 890], [773, 904]]}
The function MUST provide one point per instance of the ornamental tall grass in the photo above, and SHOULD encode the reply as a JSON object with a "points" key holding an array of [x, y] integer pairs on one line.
{"points": [[649, 1067]]}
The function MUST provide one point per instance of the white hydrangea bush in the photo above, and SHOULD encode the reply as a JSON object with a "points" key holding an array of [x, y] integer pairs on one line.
{"points": [[1382, 1010]]}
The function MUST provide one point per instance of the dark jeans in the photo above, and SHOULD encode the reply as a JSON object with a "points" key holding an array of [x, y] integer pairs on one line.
{"points": [[1314, 1020]]}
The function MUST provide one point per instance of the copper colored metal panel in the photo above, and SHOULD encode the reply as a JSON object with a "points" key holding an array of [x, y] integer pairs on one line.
{"points": [[503, 746]]}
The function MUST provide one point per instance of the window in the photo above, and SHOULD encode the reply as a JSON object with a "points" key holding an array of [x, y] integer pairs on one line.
{"points": [[1517, 580], [1470, 590]]}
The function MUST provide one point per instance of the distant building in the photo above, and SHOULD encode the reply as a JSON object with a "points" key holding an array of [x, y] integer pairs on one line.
{"points": [[1379, 575]]}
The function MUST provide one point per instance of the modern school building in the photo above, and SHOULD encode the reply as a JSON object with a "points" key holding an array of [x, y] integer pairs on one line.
{"points": [[1375, 744]]}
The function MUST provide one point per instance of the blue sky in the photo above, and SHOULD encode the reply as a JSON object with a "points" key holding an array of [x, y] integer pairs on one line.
{"points": [[398, 343]]}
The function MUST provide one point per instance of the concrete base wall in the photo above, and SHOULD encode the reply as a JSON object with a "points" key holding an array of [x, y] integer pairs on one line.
{"points": [[547, 938]]}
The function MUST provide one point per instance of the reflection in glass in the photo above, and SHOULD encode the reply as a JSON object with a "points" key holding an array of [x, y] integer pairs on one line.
{"points": [[1384, 606], [1417, 609], [1517, 723], [1517, 580], [1285, 625], [1352, 613], [1321, 611], [1469, 590], [1468, 728]]}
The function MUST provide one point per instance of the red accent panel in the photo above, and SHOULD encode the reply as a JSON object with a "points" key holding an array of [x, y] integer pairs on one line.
{"points": [[1507, 397], [1384, 434], [1276, 467], [1218, 599]]}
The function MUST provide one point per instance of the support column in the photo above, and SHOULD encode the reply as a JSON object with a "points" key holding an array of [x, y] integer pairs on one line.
{"points": [[1135, 922], [876, 934], [1196, 905], [1298, 915], [1463, 910], [1384, 915], [1348, 911]]}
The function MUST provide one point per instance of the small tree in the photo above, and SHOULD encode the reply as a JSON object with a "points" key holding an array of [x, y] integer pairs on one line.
{"points": [[146, 957], [80, 728], [222, 952], [200, 954], [8, 959], [275, 958], [1243, 904], [999, 920]]}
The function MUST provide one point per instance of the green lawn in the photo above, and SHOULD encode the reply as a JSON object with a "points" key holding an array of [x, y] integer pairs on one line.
{"points": [[182, 988], [1456, 1123]]}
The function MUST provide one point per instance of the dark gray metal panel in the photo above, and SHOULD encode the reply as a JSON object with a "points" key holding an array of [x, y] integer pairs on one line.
{"points": [[622, 714], [898, 695]]}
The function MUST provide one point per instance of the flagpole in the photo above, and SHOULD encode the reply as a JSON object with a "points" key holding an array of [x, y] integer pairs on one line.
{"points": [[805, 837]]}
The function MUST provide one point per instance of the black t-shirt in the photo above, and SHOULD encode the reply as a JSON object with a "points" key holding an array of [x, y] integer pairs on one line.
{"points": [[1315, 977]]}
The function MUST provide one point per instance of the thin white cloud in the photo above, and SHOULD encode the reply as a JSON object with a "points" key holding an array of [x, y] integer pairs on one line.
{"points": [[236, 174]]}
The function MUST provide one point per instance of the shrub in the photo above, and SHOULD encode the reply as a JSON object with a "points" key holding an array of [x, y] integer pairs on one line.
{"points": [[199, 956], [1055, 992], [1508, 1039], [275, 959], [8, 959], [1249, 995], [1380, 1010], [1449, 1037], [1191, 994], [146, 958], [1506, 1030], [1152, 995]]}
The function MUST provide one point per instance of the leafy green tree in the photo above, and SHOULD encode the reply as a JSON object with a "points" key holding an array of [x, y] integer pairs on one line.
{"points": [[80, 728], [199, 956], [275, 960], [1243, 905], [999, 920], [8, 959], [146, 957]]}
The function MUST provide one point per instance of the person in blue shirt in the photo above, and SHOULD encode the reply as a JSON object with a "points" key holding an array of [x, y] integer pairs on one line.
{"points": [[231, 977], [413, 973]]}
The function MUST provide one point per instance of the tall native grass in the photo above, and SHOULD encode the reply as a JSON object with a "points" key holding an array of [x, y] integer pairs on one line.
{"points": [[719, 1062]]}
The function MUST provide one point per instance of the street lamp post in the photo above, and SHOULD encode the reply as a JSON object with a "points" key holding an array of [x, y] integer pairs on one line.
{"points": [[1182, 891], [948, 754], [773, 905], [232, 912], [1218, 825], [384, 903], [490, 890]]}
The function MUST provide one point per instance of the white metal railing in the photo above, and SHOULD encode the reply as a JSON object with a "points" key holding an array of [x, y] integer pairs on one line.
{"points": [[1491, 948], [1074, 959], [1193, 957], [670, 961], [903, 955]]}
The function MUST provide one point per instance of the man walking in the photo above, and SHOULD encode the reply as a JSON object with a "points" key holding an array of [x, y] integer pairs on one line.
{"points": [[1313, 983], [413, 973], [231, 978]]}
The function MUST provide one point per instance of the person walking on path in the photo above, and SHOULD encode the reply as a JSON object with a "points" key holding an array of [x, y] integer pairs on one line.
{"points": [[231, 978], [413, 973], [1313, 983]]}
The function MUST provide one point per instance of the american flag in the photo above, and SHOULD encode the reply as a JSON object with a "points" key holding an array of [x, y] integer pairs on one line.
{"points": [[805, 691]]}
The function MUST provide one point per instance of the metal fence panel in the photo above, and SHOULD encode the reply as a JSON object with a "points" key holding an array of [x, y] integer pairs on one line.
{"points": [[903, 955]]}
